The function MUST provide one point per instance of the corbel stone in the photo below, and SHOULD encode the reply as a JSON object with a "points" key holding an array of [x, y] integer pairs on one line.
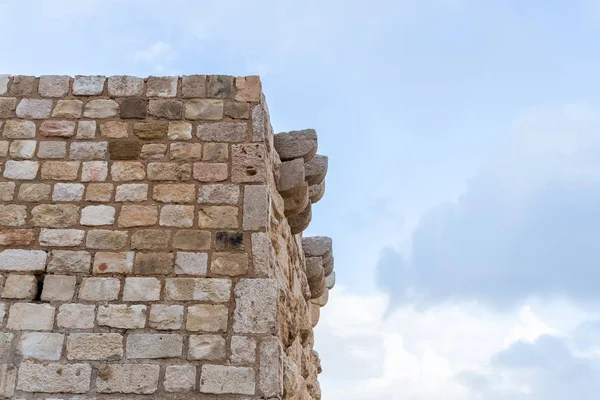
{"points": [[296, 144]]}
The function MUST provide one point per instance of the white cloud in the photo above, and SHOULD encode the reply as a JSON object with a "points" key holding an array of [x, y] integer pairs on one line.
{"points": [[159, 55]]}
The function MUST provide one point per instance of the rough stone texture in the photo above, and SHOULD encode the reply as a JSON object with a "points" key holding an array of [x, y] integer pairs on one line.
{"points": [[154, 345], [32, 317], [180, 378], [99, 289], [20, 287], [206, 347], [165, 317], [243, 350], [256, 306], [41, 346], [76, 316], [88, 85], [207, 318], [120, 86], [94, 346], [54, 378], [58, 288], [122, 316], [187, 263], [222, 131], [128, 378], [101, 109], [141, 289], [255, 207], [221, 379], [296, 144], [34, 108], [53, 86]]}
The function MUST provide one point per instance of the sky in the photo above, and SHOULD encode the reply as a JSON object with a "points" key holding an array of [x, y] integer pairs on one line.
{"points": [[463, 194]]}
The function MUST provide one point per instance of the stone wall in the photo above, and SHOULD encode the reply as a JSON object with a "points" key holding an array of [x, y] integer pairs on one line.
{"points": [[151, 241]]}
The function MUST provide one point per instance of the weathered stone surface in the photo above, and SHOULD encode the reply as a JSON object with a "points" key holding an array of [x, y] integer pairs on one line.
{"points": [[122, 171], [154, 151], [88, 85], [168, 109], [243, 350], [142, 345], [207, 109], [52, 150], [216, 152], [100, 192], [113, 263], [179, 130], [162, 86], [61, 237], [237, 109], [131, 216], [229, 264], [54, 378], [101, 109], [218, 194], [229, 240], [8, 376], [7, 107], [94, 346], [185, 151], [94, 171], [30, 317], [211, 172], [256, 306], [150, 130], [169, 171], [180, 378], [316, 192], [187, 239], [291, 177], [296, 144], [128, 378], [222, 131], [88, 150], [34, 108], [68, 192], [218, 217], [101, 239], [55, 215], [207, 318], [4, 79], [316, 246], [5, 345], [220, 379], [132, 192], [16, 237], [22, 85], [54, 85], [187, 263], [174, 193], [248, 163], [86, 130], [148, 239], [124, 150], [206, 347], [202, 289], [41, 346], [193, 86], [316, 169], [165, 317], [97, 215], [99, 289], [18, 129], [297, 201], [248, 88], [34, 192], [220, 86], [22, 260], [177, 215], [58, 287], [134, 108], [76, 316], [60, 170], [154, 263], [20, 287], [13, 215], [69, 261], [122, 85], [122, 316], [68, 109], [20, 149], [141, 289], [300, 221], [256, 207], [270, 373], [7, 191], [330, 281], [114, 130], [21, 170]]}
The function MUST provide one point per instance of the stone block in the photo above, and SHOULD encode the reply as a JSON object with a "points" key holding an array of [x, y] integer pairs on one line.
{"points": [[88, 150], [61, 237], [237, 110], [54, 378], [154, 151], [222, 132], [206, 347], [243, 350], [256, 207], [68, 192], [22, 260], [229, 264], [7, 106], [206, 109], [229, 240], [168, 109], [202, 289], [316, 169], [218, 217], [30, 317], [133, 192], [86, 130], [34, 108], [69, 261], [128, 378], [215, 152], [224, 379], [256, 306], [22, 85], [134, 108], [141, 289], [7, 191], [20, 287], [207, 318], [8, 377], [187, 263], [132, 215], [94, 346], [143, 345], [296, 144], [68, 109], [58, 288], [211, 172], [174, 193], [88, 85], [16, 237], [123, 171], [154, 263], [291, 177], [101, 239], [179, 130], [41, 346], [99, 289], [248, 88], [180, 378], [185, 151], [187, 239], [52, 150], [13, 215], [94, 171], [124, 149], [193, 86], [113, 263], [114, 130], [4, 79], [76, 316], [60, 170], [34, 192], [22, 149], [150, 239], [155, 130], [122, 316], [17, 129], [123, 86], [162, 86], [6, 340], [220, 86], [169, 171], [248, 163], [54, 85], [317, 246], [97, 215], [21, 170], [177, 215], [165, 317], [99, 192], [101, 109], [270, 373], [219, 193]]}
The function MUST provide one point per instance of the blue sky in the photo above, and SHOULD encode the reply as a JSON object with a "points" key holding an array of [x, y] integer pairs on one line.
{"points": [[463, 193]]}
